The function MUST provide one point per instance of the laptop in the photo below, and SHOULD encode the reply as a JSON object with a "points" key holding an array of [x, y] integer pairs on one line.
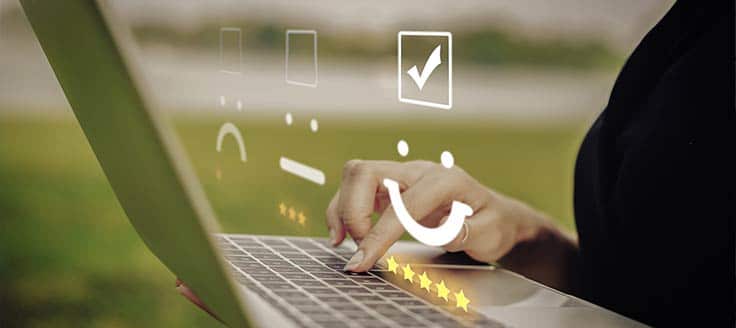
{"points": [[247, 279]]}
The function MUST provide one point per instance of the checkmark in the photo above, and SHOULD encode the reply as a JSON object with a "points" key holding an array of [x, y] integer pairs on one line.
{"points": [[432, 62]]}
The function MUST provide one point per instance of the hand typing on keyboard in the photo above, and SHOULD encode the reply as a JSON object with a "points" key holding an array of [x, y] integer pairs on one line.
{"points": [[428, 190]]}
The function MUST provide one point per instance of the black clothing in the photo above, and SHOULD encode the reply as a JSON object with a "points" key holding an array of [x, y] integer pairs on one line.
{"points": [[654, 180]]}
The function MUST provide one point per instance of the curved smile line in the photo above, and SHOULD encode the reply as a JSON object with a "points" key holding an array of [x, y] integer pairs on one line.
{"points": [[438, 236]]}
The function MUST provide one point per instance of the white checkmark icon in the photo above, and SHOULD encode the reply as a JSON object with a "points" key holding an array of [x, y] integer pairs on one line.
{"points": [[432, 62]]}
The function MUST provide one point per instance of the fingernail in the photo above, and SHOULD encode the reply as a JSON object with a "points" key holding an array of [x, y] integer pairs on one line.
{"points": [[354, 261], [332, 237]]}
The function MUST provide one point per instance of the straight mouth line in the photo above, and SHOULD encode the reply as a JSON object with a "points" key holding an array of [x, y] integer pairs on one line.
{"points": [[302, 170]]}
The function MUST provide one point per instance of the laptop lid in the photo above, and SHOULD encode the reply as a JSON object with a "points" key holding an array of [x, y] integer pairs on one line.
{"points": [[138, 152]]}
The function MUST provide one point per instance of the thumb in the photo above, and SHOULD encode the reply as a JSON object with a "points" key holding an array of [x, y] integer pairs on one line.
{"points": [[384, 233]]}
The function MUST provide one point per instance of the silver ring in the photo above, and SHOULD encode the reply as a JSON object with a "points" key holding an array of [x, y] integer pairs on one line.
{"points": [[467, 232]]}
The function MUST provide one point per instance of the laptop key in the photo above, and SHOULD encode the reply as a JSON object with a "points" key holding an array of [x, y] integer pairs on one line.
{"points": [[328, 275], [277, 285], [259, 271], [367, 298], [332, 299], [271, 242], [310, 283], [370, 323], [335, 266], [319, 290], [358, 314], [292, 256], [270, 278], [240, 257], [426, 311], [257, 250], [304, 262], [301, 302], [353, 290], [385, 309], [297, 276], [290, 294], [367, 280], [333, 282], [383, 288], [346, 307], [408, 302], [287, 269], [392, 294], [316, 269], [276, 262]]}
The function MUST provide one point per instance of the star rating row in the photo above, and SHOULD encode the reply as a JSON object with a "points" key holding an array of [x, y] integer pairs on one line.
{"points": [[461, 301], [292, 214]]}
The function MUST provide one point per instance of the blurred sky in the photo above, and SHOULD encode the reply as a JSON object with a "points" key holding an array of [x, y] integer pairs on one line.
{"points": [[620, 22], [184, 81]]}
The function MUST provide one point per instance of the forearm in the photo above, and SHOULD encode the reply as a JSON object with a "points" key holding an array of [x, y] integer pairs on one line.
{"points": [[543, 252]]}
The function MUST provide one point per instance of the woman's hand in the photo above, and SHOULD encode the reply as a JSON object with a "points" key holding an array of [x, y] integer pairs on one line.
{"points": [[428, 189]]}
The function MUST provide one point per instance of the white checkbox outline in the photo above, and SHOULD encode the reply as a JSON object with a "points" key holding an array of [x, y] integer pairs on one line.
{"points": [[224, 30], [286, 73], [447, 35]]}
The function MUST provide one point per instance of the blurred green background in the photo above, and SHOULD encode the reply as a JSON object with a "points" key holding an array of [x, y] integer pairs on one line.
{"points": [[530, 79], [69, 257]]}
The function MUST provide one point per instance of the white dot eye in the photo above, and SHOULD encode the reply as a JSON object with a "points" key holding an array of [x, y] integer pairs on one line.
{"points": [[447, 159], [313, 125], [403, 148], [289, 119]]}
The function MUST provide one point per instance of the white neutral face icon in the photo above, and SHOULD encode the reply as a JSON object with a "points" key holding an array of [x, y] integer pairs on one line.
{"points": [[439, 236]]}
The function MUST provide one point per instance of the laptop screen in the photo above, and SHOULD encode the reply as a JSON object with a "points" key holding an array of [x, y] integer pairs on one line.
{"points": [[272, 98]]}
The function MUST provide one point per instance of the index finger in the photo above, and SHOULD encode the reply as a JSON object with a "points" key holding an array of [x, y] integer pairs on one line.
{"points": [[360, 184], [428, 194]]}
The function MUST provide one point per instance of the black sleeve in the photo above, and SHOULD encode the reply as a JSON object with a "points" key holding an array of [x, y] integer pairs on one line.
{"points": [[654, 190]]}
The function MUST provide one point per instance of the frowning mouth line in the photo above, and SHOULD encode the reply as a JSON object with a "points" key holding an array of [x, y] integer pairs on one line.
{"points": [[302, 170]]}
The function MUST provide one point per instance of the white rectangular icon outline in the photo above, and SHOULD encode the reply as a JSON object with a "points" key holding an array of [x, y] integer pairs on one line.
{"points": [[286, 73], [240, 50], [448, 35]]}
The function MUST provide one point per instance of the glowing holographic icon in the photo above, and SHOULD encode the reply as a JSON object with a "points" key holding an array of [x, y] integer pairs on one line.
{"points": [[402, 147], [447, 160], [231, 60], [438, 236], [292, 214], [230, 129], [411, 39], [302, 170], [443, 292], [311, 82], [461, 301], [296, 168], [289, 119]]}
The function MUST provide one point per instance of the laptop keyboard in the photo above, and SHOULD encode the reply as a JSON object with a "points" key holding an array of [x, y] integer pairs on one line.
{"points": [[303, 278]]}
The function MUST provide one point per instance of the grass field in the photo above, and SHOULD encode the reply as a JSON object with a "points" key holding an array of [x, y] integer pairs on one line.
{"points": [[69, 257]]}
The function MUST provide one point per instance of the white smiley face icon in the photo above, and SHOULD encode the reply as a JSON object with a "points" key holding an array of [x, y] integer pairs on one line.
{"points": [[438, 236]]}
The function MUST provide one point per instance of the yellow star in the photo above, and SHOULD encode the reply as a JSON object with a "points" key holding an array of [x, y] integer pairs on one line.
{"points": [[292, 214], [392, 265], [302, 218], [442, 291], [408, 274], [424, 282], [462, 301], [282, 209]]}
